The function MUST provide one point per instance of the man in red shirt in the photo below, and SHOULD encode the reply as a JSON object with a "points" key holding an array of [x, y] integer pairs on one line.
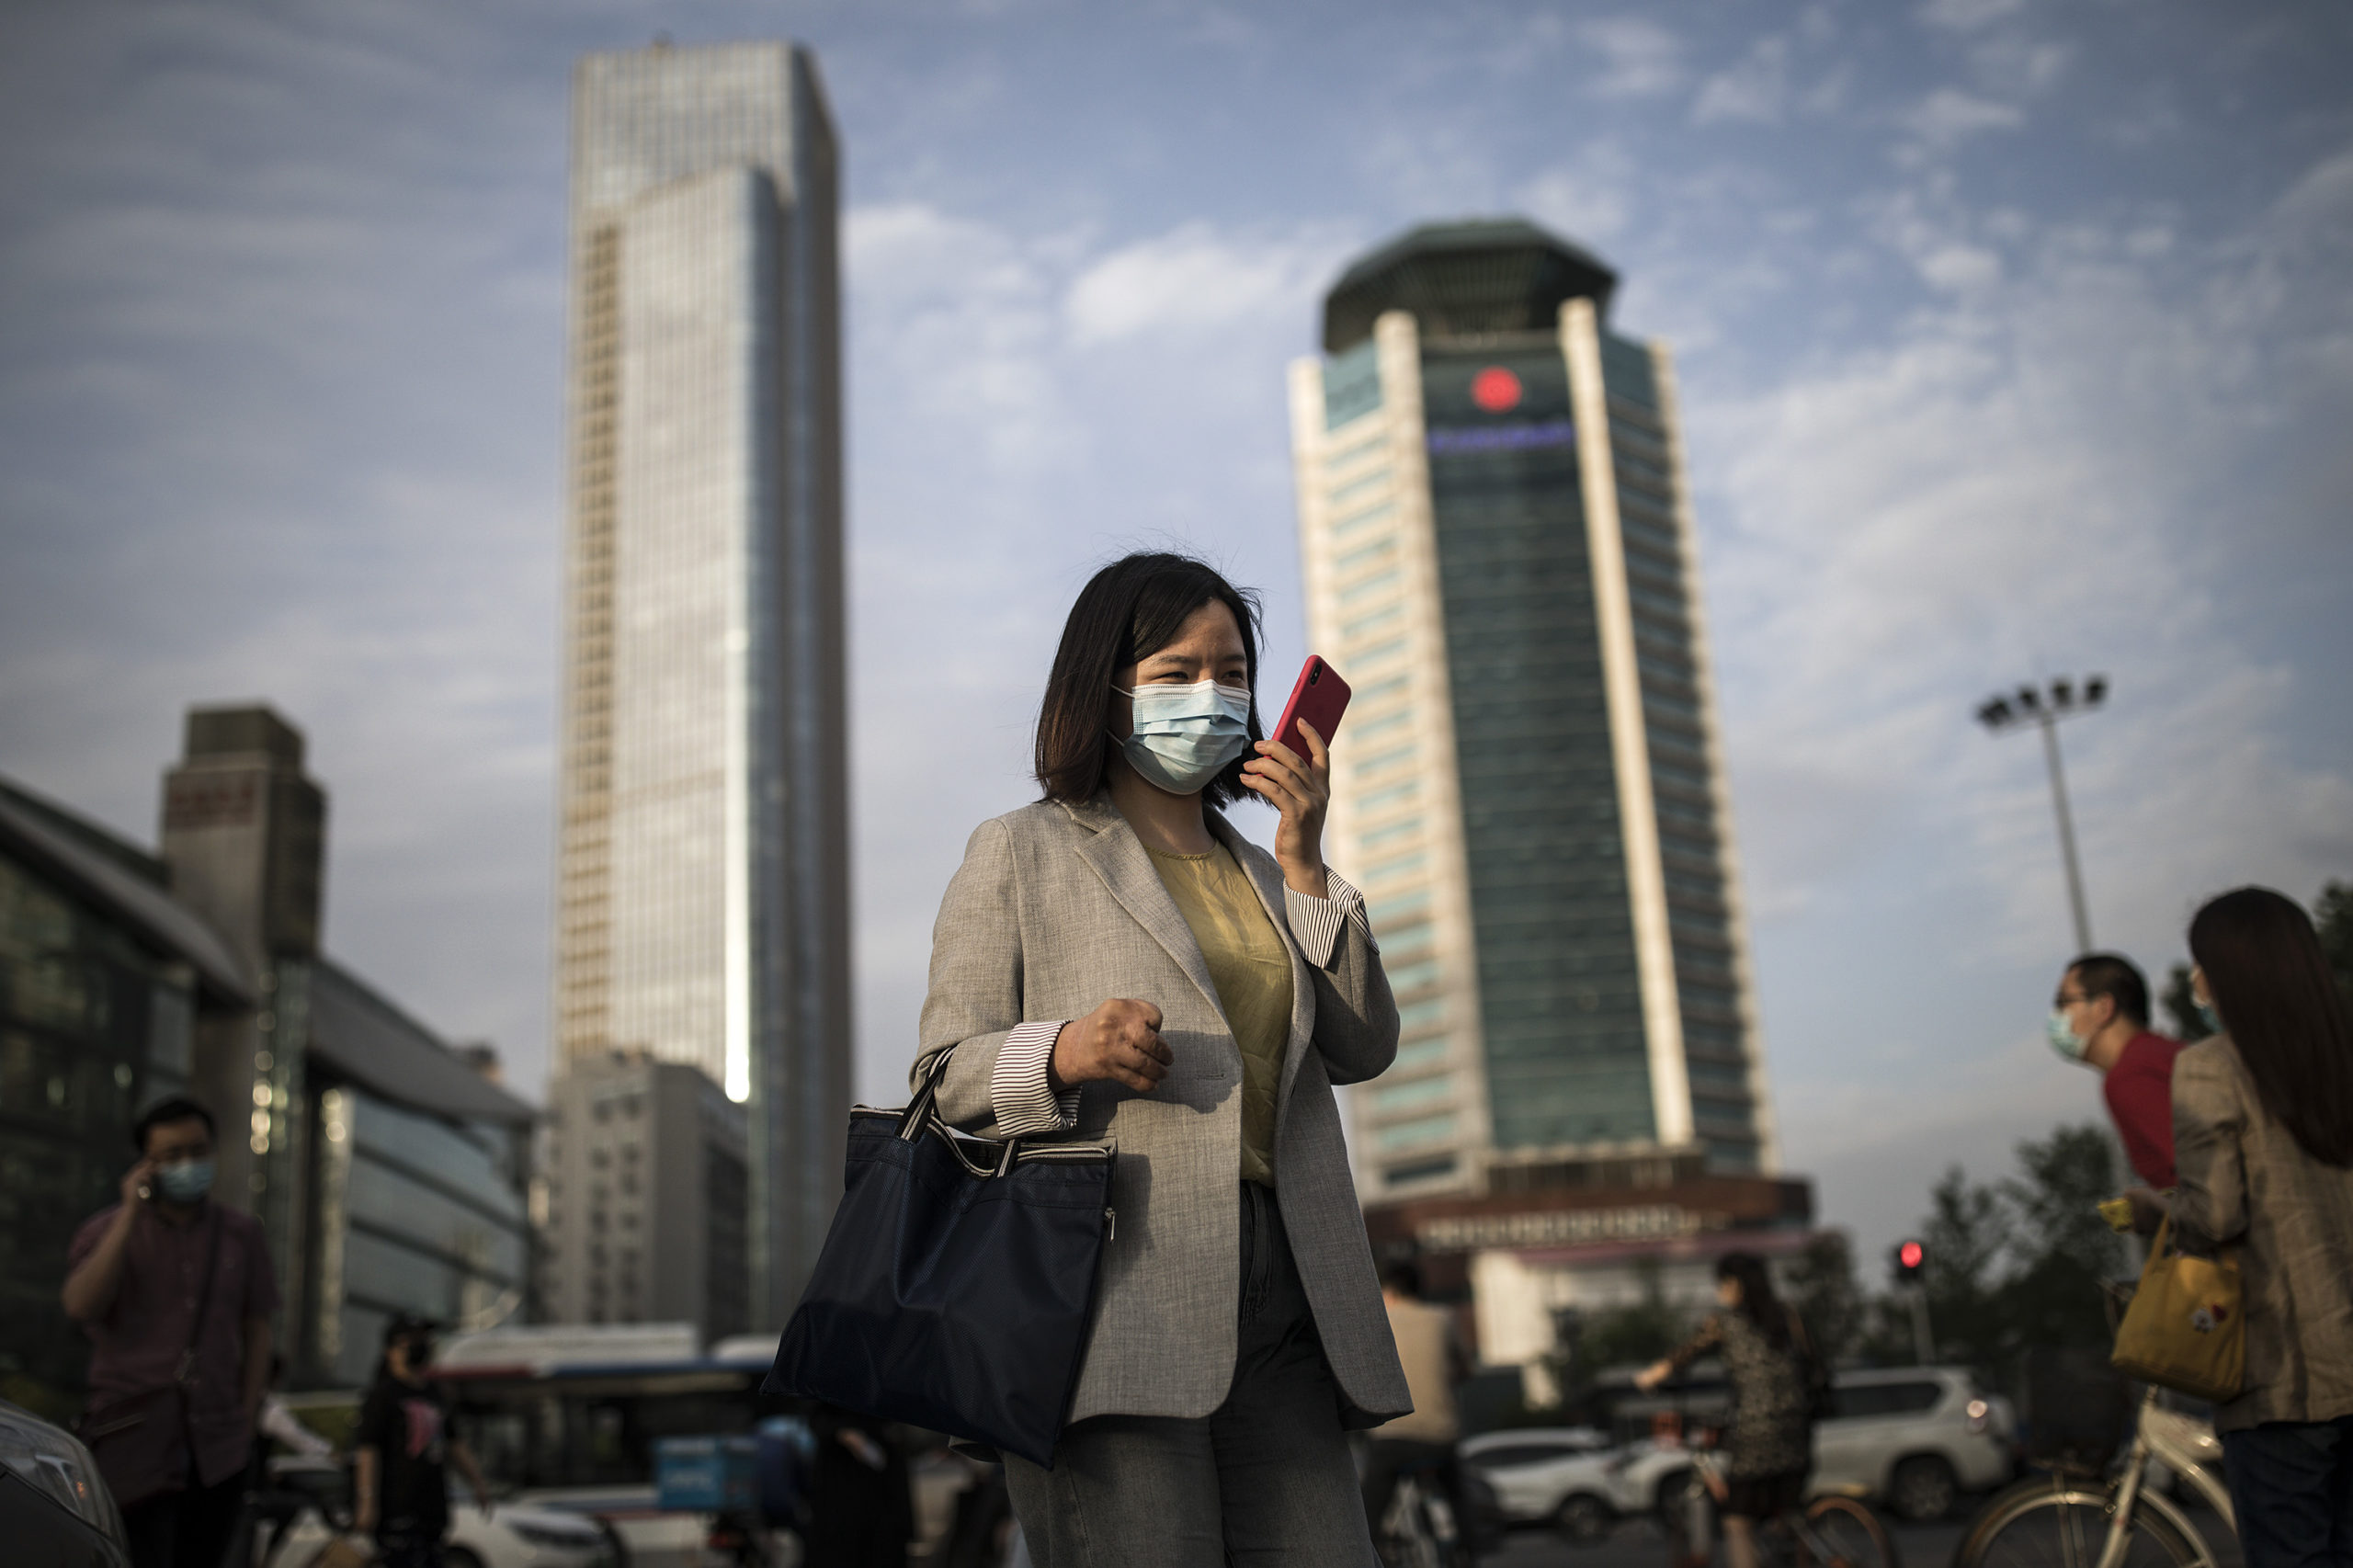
{"points": [[2100, 1018]]}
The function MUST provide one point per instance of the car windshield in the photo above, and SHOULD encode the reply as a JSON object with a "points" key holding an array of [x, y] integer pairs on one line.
{"points": [[1505, 1456], [56, 1465], [1888, 1399]]}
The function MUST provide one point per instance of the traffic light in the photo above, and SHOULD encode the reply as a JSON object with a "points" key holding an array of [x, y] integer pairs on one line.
{"points": [[1910, 1258]]}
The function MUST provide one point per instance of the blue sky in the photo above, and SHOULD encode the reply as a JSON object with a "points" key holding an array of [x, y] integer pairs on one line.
{"points": [[2014, 335]]}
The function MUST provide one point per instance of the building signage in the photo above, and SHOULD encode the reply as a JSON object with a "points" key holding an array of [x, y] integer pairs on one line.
{"points": [[1563, 1227], [1449, 441], [1495, 389], [207, 798]]}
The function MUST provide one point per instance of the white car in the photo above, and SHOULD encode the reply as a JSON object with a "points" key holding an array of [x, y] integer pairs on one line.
{"points": [[1559, 1476], [1568, 1477], [1914, 1437]]}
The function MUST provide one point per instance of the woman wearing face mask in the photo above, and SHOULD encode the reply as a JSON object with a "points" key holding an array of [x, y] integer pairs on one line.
{"points": [[402, 1451], [2263, 1144], [1117, 961]]}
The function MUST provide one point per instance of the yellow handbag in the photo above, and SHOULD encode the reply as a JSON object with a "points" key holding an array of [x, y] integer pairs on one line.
{"points": [[2186, 1329]]}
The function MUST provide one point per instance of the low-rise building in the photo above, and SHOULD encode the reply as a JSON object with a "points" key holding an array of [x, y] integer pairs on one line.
{"points": [[107, 982], [389, 1172], [1520, 1259], [647, 1199]]}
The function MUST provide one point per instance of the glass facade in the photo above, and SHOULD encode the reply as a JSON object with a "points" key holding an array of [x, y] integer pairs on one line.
{"points": [[703, 869], [432, 1221], [419, 1205], [93, 1023], [1693, 845], [1527, 786], [1566, 1053]]}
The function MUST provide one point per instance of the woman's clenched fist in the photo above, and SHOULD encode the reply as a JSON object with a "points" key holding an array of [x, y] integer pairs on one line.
{"points": [[1120, 1041]]}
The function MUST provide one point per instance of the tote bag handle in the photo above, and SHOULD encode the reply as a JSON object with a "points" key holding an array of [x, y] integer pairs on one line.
{"points": [[922, 1116]]}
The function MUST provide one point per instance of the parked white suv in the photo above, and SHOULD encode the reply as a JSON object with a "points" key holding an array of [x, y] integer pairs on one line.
{"points": [[1914, 1437]]}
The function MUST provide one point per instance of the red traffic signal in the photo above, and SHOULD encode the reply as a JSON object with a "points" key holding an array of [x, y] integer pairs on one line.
{"points": [[1909, 1257]]}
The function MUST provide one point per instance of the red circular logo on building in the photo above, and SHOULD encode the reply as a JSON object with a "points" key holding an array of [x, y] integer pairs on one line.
{"points": [[1495, 389]]}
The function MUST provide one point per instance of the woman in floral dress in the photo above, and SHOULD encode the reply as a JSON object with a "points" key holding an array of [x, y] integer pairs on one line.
{"points": [[1768, 1443]]}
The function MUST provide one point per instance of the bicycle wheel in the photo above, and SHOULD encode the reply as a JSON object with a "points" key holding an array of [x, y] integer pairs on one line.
{"points": [[2063, 1524], [1849, 1534]]}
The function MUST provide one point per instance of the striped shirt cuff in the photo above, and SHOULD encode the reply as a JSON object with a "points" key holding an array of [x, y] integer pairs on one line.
{"points": [[1020, 1090], [1315, 922]]}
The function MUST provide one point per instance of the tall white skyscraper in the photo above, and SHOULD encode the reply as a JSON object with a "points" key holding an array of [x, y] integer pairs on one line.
{"points": [[1497, 542], [703, 908]]}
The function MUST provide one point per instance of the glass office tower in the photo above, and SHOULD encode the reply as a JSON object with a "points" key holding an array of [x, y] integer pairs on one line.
{"points": [[703, 912], [1498, 555]]}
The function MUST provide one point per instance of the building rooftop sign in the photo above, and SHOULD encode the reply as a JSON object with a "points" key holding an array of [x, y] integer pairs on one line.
{"points": [[1560, 1227], [1446, 442]]}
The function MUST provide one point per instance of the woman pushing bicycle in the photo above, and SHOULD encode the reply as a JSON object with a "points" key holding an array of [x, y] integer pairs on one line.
{"points": [[1768, 1441]]}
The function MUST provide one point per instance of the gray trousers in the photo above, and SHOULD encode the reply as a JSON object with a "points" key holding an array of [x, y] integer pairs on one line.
{"points": [[1265, 1481]]}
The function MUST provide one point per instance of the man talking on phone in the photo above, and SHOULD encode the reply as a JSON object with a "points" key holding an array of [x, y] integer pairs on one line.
{"points": [[175, 1291]]}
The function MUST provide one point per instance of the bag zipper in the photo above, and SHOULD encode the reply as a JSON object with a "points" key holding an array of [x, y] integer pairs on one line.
{"points": [[1111, 1218]]}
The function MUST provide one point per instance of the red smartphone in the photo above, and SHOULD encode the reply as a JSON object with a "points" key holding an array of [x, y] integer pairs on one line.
{"points": [[1320, 696]]}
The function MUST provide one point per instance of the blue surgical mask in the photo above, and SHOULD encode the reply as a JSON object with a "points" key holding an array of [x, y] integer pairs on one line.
{"points": [[1185, 735], [2064, 1038], [185, 1181]]}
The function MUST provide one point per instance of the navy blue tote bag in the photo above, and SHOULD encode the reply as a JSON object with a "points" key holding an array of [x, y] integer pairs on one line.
{"points": [[955, 1284]]}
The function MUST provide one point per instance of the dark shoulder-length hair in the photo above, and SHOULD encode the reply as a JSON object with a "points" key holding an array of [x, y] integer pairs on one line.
{"points": [[1128, 611], [2282, 1010], [1758, 1303]]}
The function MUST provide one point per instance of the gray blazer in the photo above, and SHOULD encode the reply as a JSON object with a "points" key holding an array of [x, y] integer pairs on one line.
{"points": [[1056, 909], [2244, 1180]]}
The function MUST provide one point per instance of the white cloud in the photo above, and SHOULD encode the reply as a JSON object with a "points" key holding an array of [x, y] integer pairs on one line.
{"points": [[1588, 198], [1959, 268], [1968, 15], [1947, 117], [1191, 280], [1639, 58], [2017, 487], [1754, 90]]}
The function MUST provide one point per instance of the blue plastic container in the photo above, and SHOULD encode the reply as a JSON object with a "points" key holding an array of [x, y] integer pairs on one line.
{"points": [[706, 1476]]}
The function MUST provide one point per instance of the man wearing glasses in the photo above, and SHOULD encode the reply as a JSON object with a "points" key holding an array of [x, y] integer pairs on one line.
{"points": [[2100, 1018]]}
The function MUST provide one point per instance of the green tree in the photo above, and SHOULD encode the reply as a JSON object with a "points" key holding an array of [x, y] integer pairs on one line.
{"points": [[1963, 1236], [1632, 1335], [2181, 1005], [1822, 1289], [2016, 1265], [2062, 1252]]}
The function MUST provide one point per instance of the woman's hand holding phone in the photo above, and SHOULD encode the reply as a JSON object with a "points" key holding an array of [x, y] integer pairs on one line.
{"points": [[1299, 788]]}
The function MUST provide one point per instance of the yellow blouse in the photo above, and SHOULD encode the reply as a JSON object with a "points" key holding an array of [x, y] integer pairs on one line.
{"points": [[1250, 965]]}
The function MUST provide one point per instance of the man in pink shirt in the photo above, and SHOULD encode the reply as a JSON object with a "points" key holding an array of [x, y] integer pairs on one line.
{"points": [[175, 1291], [2100, 1018]]}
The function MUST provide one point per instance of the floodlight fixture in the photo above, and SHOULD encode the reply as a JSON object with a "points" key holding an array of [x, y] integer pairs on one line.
{"points": [[2045, 706]]}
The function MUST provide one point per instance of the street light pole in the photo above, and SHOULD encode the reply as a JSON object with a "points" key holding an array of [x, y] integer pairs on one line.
{"points": [[2066, 833], [2045, 709]]}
